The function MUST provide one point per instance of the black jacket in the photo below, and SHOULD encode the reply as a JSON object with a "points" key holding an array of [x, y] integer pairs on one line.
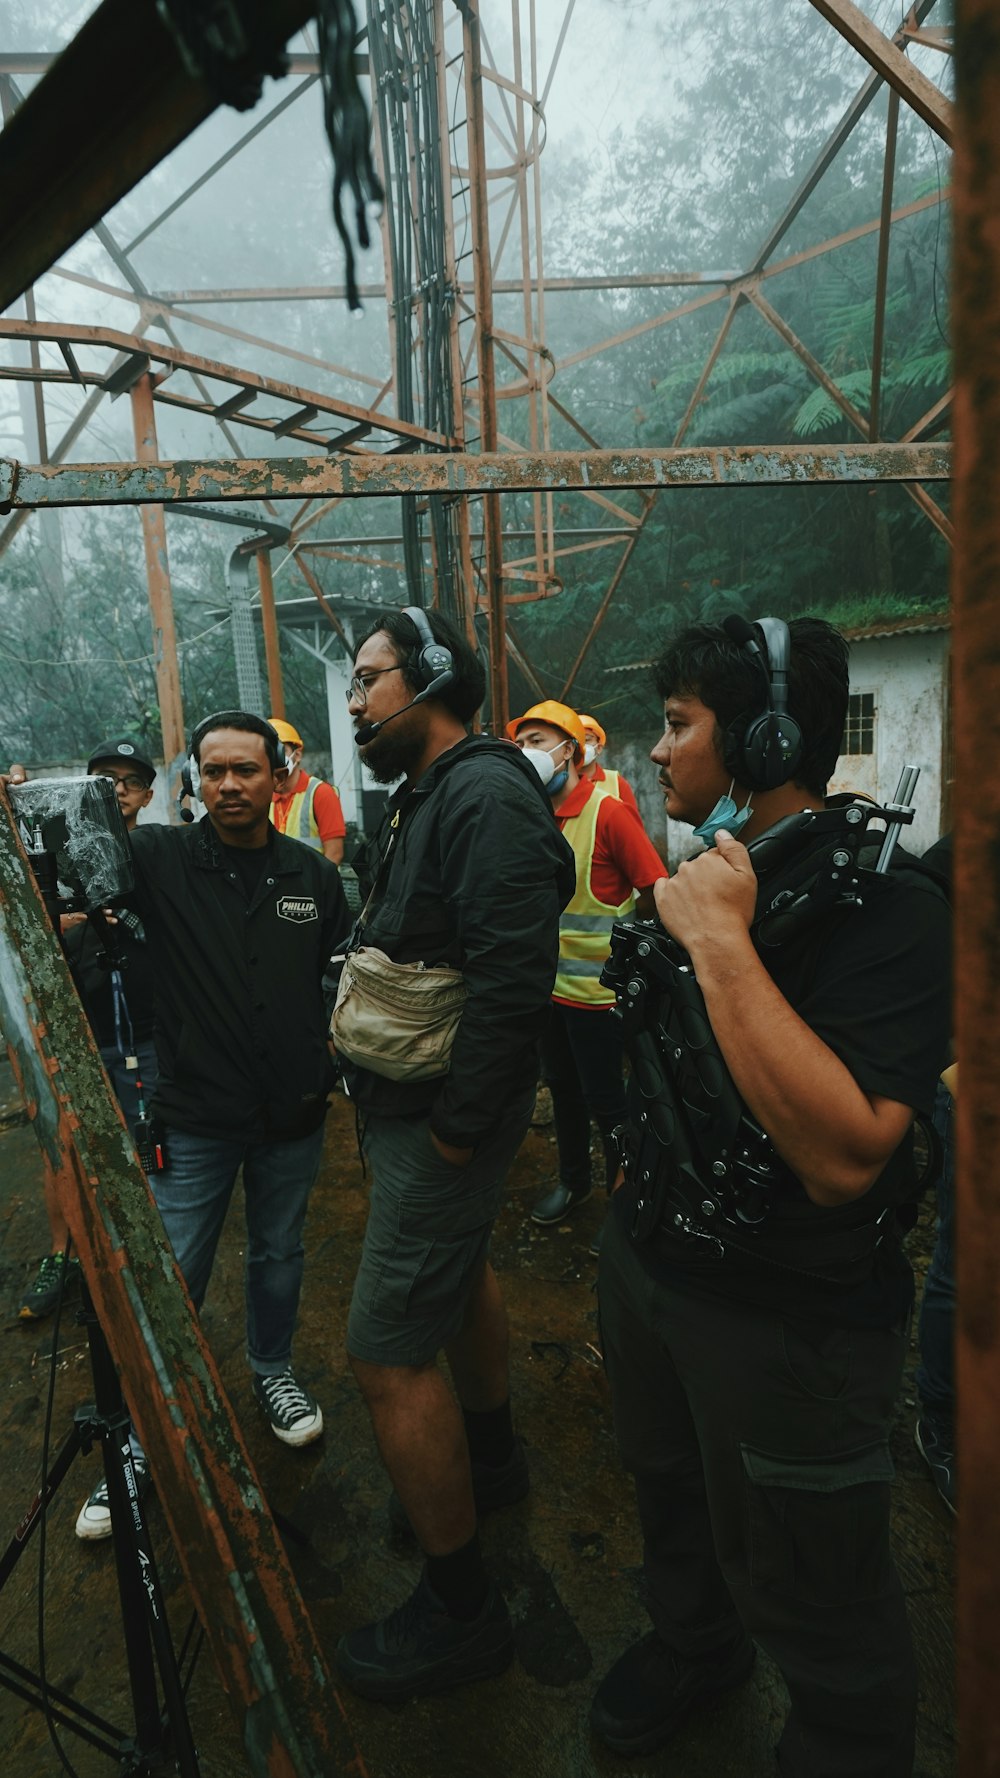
{"points": [[240, 1021], [477, 878]]}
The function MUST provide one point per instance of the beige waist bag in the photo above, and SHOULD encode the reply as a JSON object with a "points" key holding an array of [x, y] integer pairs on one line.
{"points": [[398, 1019]]}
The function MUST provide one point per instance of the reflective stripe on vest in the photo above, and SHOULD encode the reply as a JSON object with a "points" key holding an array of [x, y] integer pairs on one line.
{"points": [[585, 925], [300, 823]]}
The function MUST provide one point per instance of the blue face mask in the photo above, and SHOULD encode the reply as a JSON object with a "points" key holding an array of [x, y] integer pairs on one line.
{"points": [[557, 782], [725, 818]]}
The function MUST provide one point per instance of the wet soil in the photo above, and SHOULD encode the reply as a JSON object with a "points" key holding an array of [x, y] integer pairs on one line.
{"points": [[568, 1558]]}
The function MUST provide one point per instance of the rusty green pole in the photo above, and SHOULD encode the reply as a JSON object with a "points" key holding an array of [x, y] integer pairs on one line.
{"points": [[257, 1627], [976, 594]]}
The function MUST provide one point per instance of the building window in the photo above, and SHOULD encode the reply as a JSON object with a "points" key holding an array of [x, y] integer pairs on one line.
{"points": [[859, 735]]}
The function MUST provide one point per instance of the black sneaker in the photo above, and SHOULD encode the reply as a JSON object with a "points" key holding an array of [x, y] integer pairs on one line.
{"points": [[650, 1690], [937, 1450], [557, 1204], [420, 1649], [94, 1519], [295, 1417], [493, 1486], [42, 1296]]}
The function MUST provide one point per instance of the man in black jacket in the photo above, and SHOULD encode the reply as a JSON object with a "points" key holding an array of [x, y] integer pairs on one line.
{"points": [[755, 1343], [241, 923], [469, 871]]}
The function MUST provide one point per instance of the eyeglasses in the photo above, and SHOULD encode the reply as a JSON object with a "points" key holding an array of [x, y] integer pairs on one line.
{"points": [[358, 687], [131, 780]]}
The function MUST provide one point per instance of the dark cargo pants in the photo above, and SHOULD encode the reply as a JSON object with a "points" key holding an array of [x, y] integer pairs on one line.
{"points": [[762, 1470]]}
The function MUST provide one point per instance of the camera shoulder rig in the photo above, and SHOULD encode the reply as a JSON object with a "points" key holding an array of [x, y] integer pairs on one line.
{"points": [[697, 1161]]}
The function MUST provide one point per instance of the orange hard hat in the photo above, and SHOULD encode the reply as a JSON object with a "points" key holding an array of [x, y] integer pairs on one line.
{"points": [[592, 723], [558, 716], [285, 732]]}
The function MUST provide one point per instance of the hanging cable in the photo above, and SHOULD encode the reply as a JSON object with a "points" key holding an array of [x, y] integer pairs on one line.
{"points": [[348, 130]]}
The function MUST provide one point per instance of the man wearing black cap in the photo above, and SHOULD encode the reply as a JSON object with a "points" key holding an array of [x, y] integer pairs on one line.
{"points": [[123, 1029]]}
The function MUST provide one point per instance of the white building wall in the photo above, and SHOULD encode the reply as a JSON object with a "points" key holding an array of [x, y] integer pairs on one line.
{"points": [[908, 676]]}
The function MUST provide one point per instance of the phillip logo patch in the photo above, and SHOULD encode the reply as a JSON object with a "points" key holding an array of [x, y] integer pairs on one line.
{"points": [[297, 907]]}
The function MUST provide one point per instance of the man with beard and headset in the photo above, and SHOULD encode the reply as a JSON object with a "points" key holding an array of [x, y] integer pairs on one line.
{"points": [[468, 871], [755, 1358]]}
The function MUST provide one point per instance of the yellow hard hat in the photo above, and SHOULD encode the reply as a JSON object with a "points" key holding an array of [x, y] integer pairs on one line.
{"points": [[285, 732], [592, 723], [557, 716]]}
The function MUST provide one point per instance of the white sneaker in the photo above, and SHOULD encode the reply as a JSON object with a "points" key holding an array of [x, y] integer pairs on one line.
{"points": [[95, 1514], [295, 1417]]}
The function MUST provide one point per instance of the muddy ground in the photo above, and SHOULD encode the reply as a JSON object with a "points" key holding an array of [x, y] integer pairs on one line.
{"points": [[567, 1558]]}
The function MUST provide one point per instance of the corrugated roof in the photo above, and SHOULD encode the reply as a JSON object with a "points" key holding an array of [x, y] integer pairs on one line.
{"points": [[899, 626], [894, 626]]}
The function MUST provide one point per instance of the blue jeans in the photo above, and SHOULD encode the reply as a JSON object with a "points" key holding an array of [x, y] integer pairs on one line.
{"points": [[936, 1375], [193, 1195]]}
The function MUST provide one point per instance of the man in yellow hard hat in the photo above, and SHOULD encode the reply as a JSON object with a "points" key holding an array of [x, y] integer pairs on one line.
{"points": [[305, 808], [582, 1049], [615, 783]]}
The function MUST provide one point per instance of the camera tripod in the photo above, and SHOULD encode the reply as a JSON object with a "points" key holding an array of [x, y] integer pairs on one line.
{"points": [[161, 1740]]}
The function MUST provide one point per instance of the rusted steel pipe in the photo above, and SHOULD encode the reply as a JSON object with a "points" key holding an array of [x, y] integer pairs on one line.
{"points": [[366, 477], [161, 605], [258, 1629], [976, 706]]}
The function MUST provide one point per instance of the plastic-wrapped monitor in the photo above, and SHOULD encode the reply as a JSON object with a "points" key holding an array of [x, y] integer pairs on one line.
{"points": [[79, 820]]}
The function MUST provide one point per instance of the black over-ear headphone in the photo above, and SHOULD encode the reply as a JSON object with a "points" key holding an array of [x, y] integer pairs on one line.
{"points": [[191, 776], [763, 752], [433, 664]]}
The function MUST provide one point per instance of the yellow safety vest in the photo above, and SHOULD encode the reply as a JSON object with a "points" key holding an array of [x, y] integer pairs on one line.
{"points": [[300, 823], [610, 784], [585, 925]]}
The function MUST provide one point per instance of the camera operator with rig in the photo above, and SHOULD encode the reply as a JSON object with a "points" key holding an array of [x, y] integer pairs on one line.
{"points": [[755, 1299]]}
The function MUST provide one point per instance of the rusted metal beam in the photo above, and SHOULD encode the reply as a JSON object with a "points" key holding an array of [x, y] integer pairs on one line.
{"points": [[709, 366], [803, 353], [269, 1660], [176, 357], [126, 52], [298, 293], [832, 147], [486, 369], [151, 308], [603, 608], [269, 625], [161, 605], [882, 268], [920, 93], [976, 714], [367, 477]]}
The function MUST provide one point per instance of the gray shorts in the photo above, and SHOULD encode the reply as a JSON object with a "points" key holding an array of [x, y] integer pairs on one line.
{"points": [[428, 1236]]}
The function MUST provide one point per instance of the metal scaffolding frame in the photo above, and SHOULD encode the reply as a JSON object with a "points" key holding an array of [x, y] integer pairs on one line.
{"points": [[491, 120], [484, 131]]}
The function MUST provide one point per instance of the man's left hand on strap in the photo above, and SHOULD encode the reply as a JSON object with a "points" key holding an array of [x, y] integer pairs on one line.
{"points": [[709, 897]]}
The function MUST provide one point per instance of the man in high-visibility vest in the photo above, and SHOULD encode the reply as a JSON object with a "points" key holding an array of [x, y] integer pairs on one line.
{"points": [[305, 808], [615, 783], [615, 864]]}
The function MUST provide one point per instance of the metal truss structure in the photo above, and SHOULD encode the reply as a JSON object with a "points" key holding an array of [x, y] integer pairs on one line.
{"points": [[451, 414], [458, 135]]}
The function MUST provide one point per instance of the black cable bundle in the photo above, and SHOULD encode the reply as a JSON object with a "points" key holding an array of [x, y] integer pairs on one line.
{"points": [[347, 127]]}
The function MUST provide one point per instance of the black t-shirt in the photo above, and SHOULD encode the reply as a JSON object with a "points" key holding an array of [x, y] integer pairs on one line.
{"points": [[248, 864], [874, 984]]}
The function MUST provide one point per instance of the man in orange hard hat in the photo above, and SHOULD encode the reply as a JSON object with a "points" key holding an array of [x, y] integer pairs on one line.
{"points": [[615, 783], [582, 1049], [306, 808]]}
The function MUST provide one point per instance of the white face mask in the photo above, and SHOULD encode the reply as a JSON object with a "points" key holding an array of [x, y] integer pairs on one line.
{"points": [[590, 753], [541, 759]]}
